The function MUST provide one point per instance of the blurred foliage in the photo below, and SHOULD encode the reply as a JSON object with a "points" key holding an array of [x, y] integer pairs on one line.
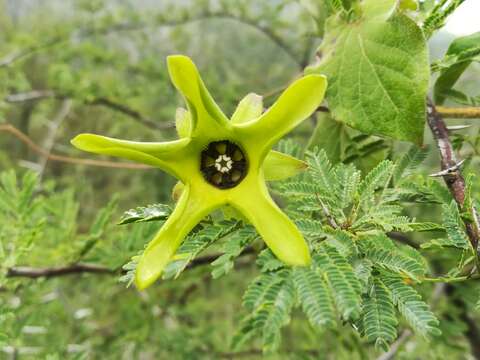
{"points": [[398, 261]]}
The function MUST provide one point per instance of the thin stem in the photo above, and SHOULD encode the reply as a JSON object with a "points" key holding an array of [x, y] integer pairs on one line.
{"points": [[36, 95], [67, 159], [80, 268], [470, 112], [448, 280]]}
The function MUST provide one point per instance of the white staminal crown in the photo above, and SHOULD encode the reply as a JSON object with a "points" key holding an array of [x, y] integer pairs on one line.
{"points": [[223, 164]]}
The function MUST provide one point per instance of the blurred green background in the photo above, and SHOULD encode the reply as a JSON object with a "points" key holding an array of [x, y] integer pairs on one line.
{"points": [[75, 66]]}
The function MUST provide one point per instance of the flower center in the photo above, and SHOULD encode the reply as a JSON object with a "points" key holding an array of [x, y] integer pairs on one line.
{"points": [[223, 164]]}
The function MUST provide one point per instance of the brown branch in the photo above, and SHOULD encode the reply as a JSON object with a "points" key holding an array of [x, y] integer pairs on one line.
{"points": [[461, 113], [36, 95], [67, 159], [454, 179], [29, 96], [34, 273], [134, 114], [85, 268]]}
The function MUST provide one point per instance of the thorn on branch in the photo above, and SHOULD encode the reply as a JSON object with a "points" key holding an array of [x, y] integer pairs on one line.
{"points": [[448, 171], [453, 128], [451, 170]]}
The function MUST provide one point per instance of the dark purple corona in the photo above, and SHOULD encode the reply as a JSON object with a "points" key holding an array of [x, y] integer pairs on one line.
{"points": [[223, 164]]}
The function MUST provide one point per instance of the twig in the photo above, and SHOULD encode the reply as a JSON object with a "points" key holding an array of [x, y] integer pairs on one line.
{"points": [[446, 112], [454, 180], [390, 354], [448, 280], [34, 273], [461, 113], [36, 95], [327, 214], [134, 114], [81, 268], [29, 96], [63, 112], [67, 159]]}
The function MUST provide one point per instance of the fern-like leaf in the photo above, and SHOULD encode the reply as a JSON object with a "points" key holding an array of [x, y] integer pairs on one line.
{"points": [[153, 212], [315, 297], [454, 226], [340, 277], [375, 179], [320, 168], [232, 249], [379, 323], [411, 305], [272, 315], [197, 242], [310, 228], [270, 298], [409, 162], [397, 262], [346, 179]]}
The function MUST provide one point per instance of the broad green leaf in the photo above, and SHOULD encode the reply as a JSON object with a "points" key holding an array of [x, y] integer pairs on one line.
{"points": [[330, 136], [459, 56], [379, 10], [378, 75]]}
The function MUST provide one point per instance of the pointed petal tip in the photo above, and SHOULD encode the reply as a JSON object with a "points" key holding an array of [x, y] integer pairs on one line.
{"points": [[144, 278], [81, 141], [320, 79], [178, 62], [297, 257]]}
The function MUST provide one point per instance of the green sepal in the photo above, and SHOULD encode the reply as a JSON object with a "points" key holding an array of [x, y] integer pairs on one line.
{"points": [[279, 166], [249, 108]]}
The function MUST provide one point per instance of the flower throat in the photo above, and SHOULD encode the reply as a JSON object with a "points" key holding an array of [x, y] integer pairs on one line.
{"points": [[223, 164]]}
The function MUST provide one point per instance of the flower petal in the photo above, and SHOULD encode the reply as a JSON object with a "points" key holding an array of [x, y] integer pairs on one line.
{"points": [[295, 104], [279, 166], [165, 155], [249, 108], [277, 230], [187, 80], [190, 210]]}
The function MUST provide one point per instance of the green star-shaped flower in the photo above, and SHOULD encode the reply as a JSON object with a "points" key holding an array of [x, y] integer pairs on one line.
{"points": [[221, 162]]}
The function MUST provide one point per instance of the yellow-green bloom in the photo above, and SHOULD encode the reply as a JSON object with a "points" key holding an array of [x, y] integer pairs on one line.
{"points": [[221, 162]]}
